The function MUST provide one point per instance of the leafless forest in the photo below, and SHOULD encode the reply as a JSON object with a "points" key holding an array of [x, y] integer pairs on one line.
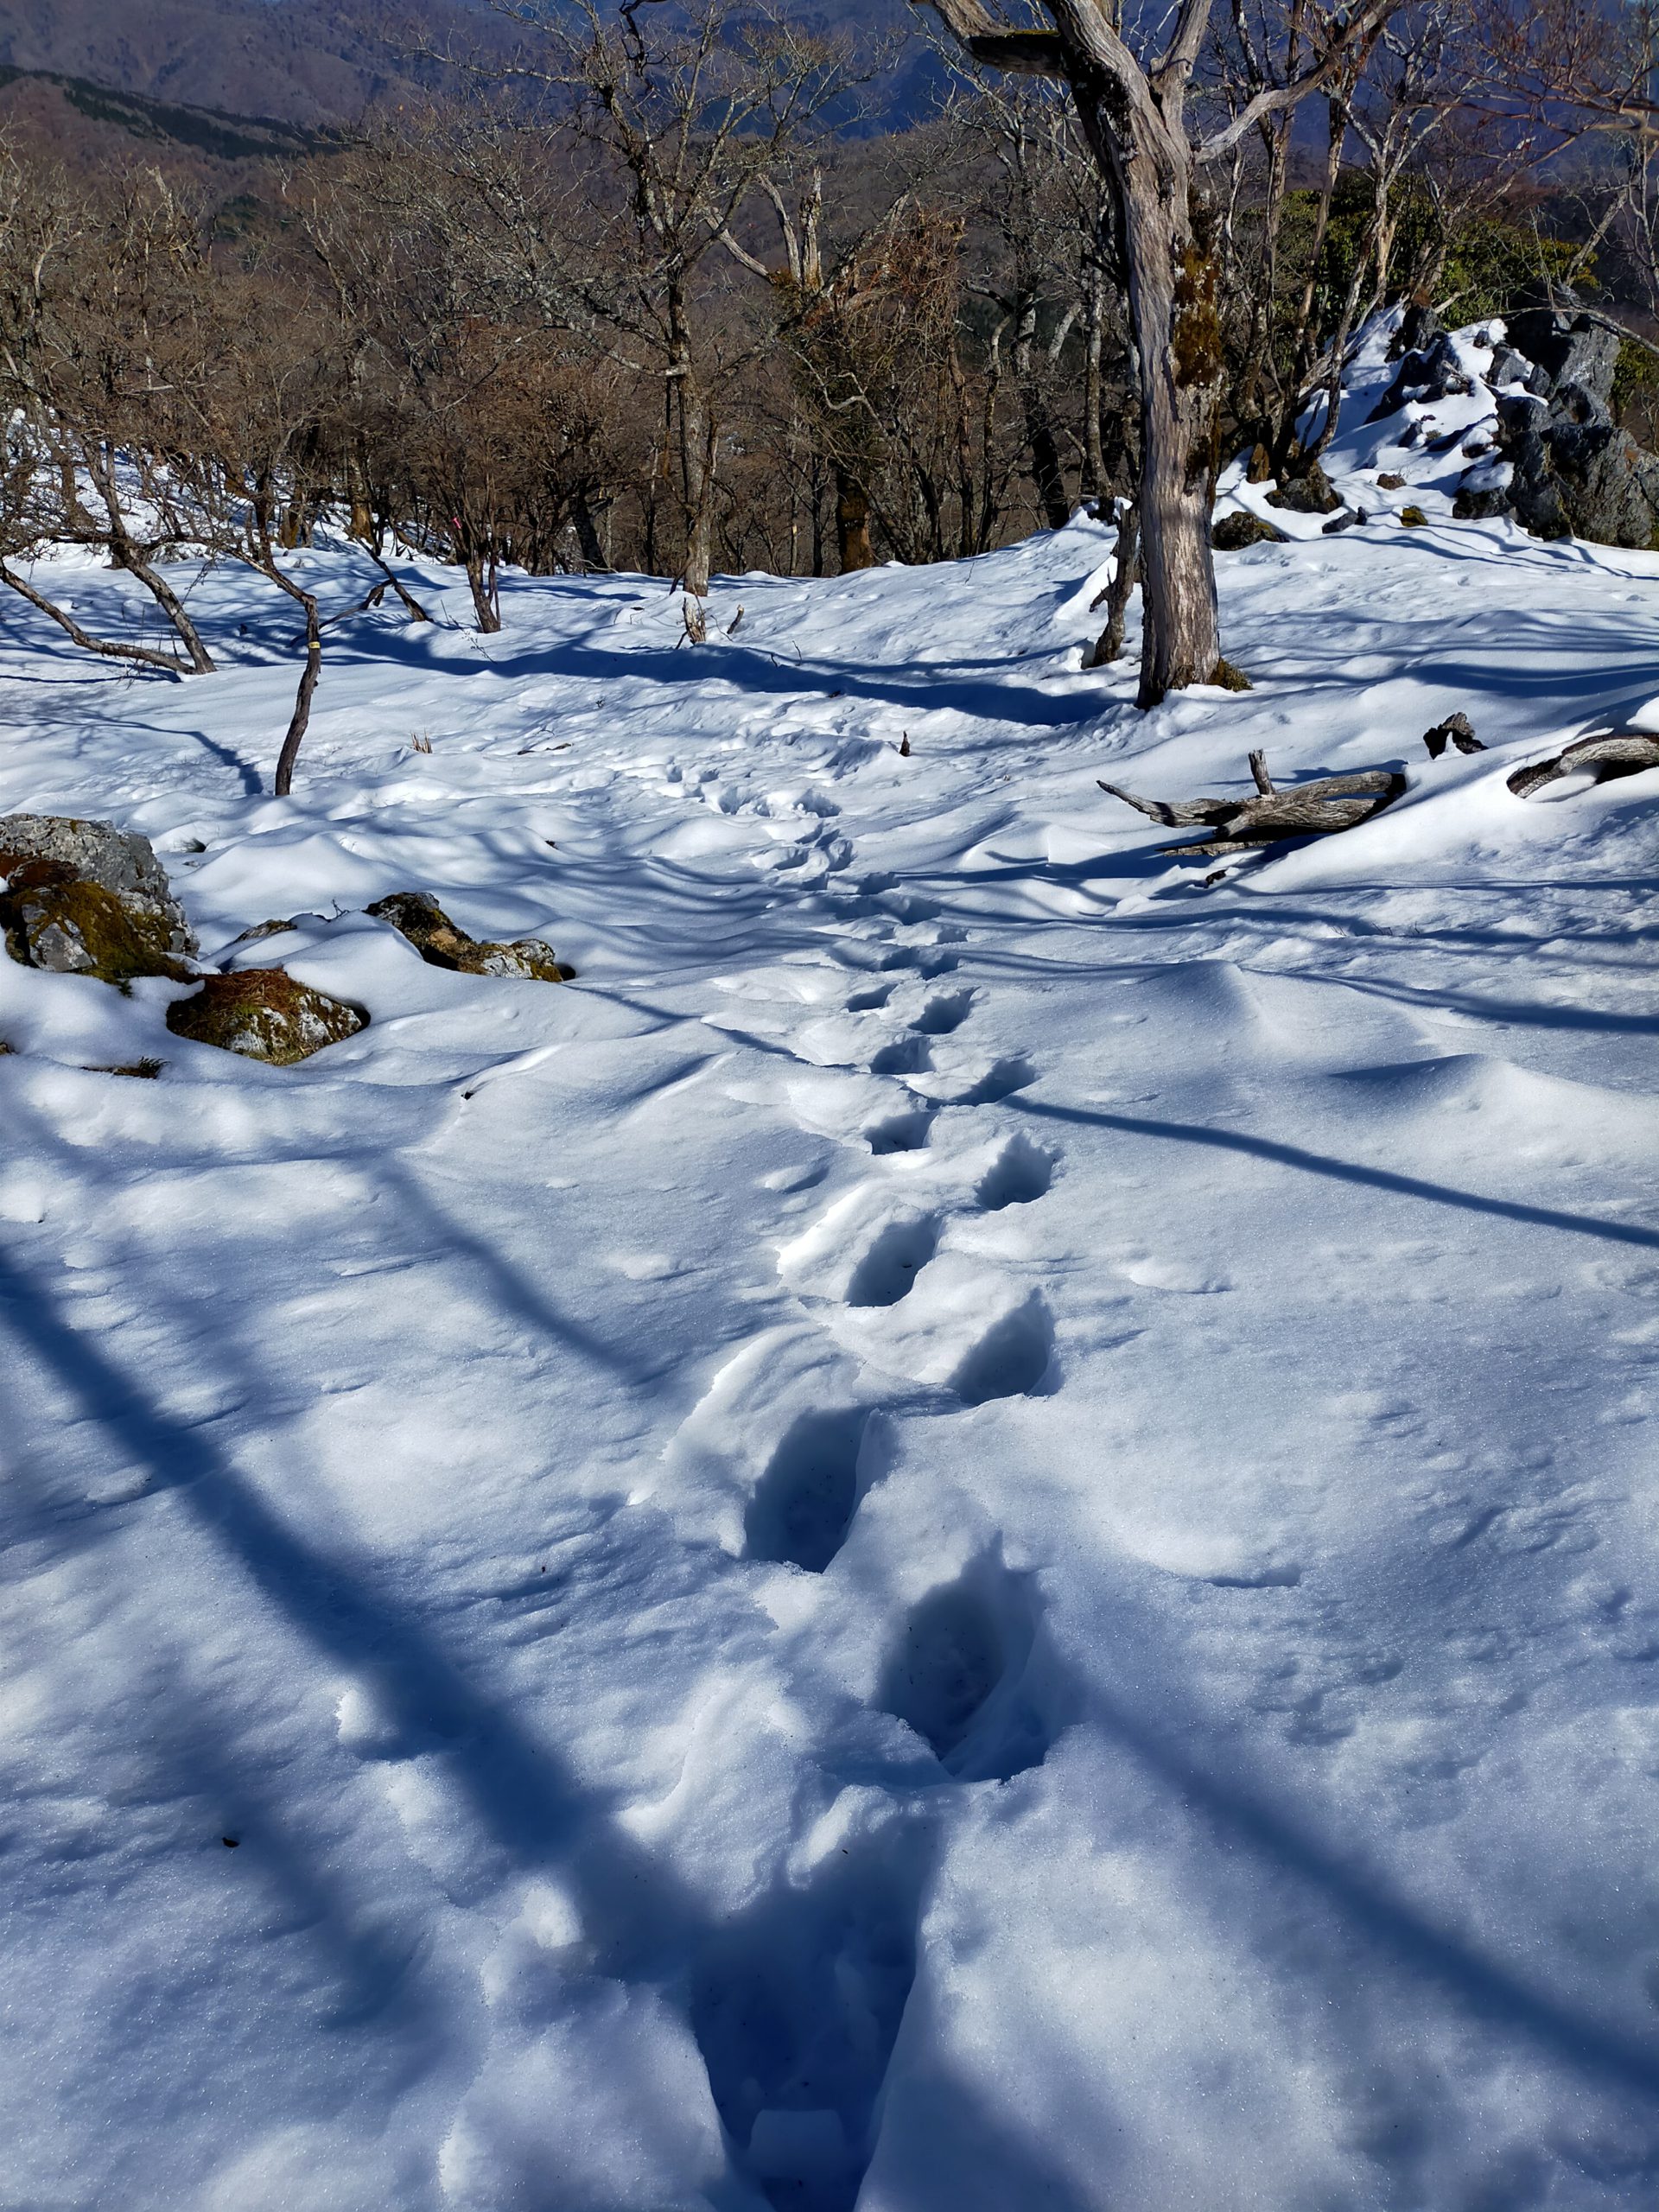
{"points": [[645, 291]]}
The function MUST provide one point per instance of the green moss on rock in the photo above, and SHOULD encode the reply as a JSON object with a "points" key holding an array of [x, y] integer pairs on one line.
{"points": [[443, 945], [1234, 532], [71, 927], [265, 1014]]}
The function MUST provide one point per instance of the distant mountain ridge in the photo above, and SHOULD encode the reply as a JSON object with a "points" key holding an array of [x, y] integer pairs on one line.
{"points": [[204, 130], [306, 62], [295, 62], [302, 62]]}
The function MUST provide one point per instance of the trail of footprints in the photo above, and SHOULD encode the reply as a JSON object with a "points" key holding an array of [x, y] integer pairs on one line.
{"points": [[797, 2008]]}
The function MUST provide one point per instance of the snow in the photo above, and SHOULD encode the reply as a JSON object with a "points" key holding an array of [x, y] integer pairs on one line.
{"points": [[977, 1528]]}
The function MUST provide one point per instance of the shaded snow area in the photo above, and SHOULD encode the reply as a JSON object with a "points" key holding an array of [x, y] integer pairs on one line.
{"points": [[976, 1530]]}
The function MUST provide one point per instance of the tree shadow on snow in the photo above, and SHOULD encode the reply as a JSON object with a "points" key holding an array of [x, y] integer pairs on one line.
{"points": [[1346, 1171], [795, 2004]]}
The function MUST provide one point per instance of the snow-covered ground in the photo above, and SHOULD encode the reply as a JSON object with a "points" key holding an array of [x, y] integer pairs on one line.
{"points": [[978, 1529]]}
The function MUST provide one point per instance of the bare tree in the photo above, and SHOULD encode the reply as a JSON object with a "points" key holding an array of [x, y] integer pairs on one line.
{"points": [[102, 344], [1132, 87], [680, 116]]}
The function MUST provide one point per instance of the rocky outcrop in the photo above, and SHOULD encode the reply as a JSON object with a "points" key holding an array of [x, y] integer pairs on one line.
{"points": [[265, 1014], [84, 899], [1561, 465], [1419, 328], [1565, 469], [441, 943], [1566, 346], [1435, 372], [1234, 532]]}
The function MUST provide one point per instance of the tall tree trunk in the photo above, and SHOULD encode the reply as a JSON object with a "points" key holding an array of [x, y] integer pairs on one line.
{"points": [[1173, 280], [301, 718], [588, 533], [1094, 457], [852, 523], [1109, 644], [700, 501], [694, 448], [1042, 446], [481, 578], [1251, 402], [1304, 340]]}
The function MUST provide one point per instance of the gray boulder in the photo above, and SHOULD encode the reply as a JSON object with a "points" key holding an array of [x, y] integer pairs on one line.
{"points": [[1419, 328], [84, 899], [1568, 347], [1509, 367], [1571, 472], [1308, 493]]}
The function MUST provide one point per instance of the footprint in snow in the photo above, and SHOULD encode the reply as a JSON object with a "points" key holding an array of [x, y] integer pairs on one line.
{"points": [[904, 1056], [961, 1676], [804, 1503], [795, 2008], [943, 1016], [1020, 1173], [888, 1269], [908, 1131]]}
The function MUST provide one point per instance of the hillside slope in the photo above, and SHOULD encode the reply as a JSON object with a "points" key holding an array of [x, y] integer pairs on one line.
{"points": [[977, 1528], [303, 61], [318, 61]]}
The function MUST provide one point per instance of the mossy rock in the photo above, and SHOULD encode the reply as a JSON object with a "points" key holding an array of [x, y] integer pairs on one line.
{"points": [[52, 920], [441, 945], [265, 1014], [1414, 518], [119, 861], [1310, 493], [1235, 532], [1230, 678]]}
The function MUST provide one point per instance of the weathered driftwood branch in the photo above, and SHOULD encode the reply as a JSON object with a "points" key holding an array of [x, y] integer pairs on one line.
{"points": [[1319, 808], [1624, 752], [1174, 814]]}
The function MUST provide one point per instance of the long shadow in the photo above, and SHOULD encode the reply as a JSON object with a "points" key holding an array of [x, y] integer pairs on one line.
{"points": [[511, 1290], [953, 2127], [252, 783], [1491, 1992], [1343, 1171], [796, 1986], [519, 1789], [1001, 696], [1525, 1014]]}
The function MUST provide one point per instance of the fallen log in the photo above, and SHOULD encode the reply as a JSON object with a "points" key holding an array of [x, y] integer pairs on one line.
{"points": [[1621, 753], [1319, 809]]}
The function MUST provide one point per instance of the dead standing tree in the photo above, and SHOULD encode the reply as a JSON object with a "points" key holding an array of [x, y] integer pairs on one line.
{"points": [[1132, 101]]}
